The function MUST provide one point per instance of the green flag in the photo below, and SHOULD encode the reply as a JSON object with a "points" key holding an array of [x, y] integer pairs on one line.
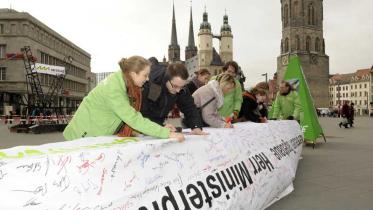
{"points": [[310, 123]]}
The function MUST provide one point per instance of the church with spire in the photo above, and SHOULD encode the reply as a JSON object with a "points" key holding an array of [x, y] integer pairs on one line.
{"points": [[205, 55]]}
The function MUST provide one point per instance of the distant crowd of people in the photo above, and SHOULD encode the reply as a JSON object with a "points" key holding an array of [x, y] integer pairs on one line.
{"points": [[139, 97]]}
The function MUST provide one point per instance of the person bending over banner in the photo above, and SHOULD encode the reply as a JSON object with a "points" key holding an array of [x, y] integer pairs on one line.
{"points": [[210, 98], [232, 100], [287, 105], [253, 108], [164, 89], [113, 106], [200, 79]]}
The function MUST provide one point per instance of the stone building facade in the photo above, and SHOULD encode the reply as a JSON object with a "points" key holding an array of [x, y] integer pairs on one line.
{"points": [[302, 35], [19, 29]]}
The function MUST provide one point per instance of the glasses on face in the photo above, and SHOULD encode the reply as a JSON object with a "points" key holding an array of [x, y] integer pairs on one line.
{"points": [[175, 86]]}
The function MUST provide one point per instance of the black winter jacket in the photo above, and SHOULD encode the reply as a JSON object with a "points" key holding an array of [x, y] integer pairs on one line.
{"points": [[157, 101]]}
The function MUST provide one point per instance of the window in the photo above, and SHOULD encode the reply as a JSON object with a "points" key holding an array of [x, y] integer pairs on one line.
{"points": [[298, 42], [2, 73], [360, 96], [360, 86], [2, 51], [1, 28], [13, 29], [295, 9], [355, 86], [25, 29], [287, 44], [317, 44], [308, 43], [286, 15], [365, 85], [352, 87], [311, 15]]}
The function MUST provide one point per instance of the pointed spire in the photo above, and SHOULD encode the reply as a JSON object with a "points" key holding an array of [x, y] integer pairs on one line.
{"points": [[173, 48], [173, 30], [191, 50], [191, 31]]}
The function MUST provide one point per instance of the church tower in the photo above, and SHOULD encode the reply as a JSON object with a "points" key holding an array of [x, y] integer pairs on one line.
{"points": [[191, 49], [302, 35], [173, 48], [226, 41], [205, 43]]}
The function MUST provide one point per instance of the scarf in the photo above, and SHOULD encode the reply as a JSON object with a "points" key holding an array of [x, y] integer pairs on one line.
{"points": [[134, 95]]}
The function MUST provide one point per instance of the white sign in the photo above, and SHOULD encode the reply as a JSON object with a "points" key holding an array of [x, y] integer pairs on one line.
{"points": [[49, 69], [248, 167]]}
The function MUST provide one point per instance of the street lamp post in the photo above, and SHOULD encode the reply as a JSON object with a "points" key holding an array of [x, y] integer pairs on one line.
{"points": [[339, 98], [266, 76]]}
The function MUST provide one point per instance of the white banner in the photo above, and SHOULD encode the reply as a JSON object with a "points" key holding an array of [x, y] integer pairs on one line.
{"points": [[49, 69], [248, 167]]}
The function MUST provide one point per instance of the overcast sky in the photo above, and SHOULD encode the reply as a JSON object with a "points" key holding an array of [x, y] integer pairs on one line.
{"points": [[112, 29]]}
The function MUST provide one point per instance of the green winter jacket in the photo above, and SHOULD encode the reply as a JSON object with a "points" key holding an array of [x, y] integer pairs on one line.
{"points": [[232, 101], [103, 110], [285, 106]]}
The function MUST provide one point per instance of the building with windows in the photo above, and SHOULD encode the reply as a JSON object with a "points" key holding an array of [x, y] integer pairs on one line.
{"points": [[101, 76], [19, 29], [355, 87]]}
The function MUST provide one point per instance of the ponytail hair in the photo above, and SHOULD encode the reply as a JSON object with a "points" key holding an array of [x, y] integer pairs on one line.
{"points": [[133, 64]]}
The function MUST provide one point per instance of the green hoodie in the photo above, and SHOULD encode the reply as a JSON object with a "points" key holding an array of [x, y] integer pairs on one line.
{"points": [[285, 106], [105, 107], [232, 100]]}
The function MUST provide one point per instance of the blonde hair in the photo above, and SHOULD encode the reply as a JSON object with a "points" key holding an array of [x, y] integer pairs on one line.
{"points": [[133, 64], [225, 79]]}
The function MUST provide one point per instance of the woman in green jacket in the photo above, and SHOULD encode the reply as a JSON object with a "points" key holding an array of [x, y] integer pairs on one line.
{"points": [[112, 108], [233, 99]]}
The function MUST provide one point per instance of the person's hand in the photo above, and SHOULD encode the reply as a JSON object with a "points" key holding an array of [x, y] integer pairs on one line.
{"points": [[198, 131], [263, 120], [235, 115], [171, 127], [178, 136], [228, 125], [290, 118]]}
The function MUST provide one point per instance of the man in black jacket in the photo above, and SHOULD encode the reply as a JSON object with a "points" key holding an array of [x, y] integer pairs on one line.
{"points": [[164, 89]]}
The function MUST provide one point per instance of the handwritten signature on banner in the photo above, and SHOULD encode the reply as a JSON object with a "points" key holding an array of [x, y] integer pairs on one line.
{"points": [[33, 152], [113, 176]]}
